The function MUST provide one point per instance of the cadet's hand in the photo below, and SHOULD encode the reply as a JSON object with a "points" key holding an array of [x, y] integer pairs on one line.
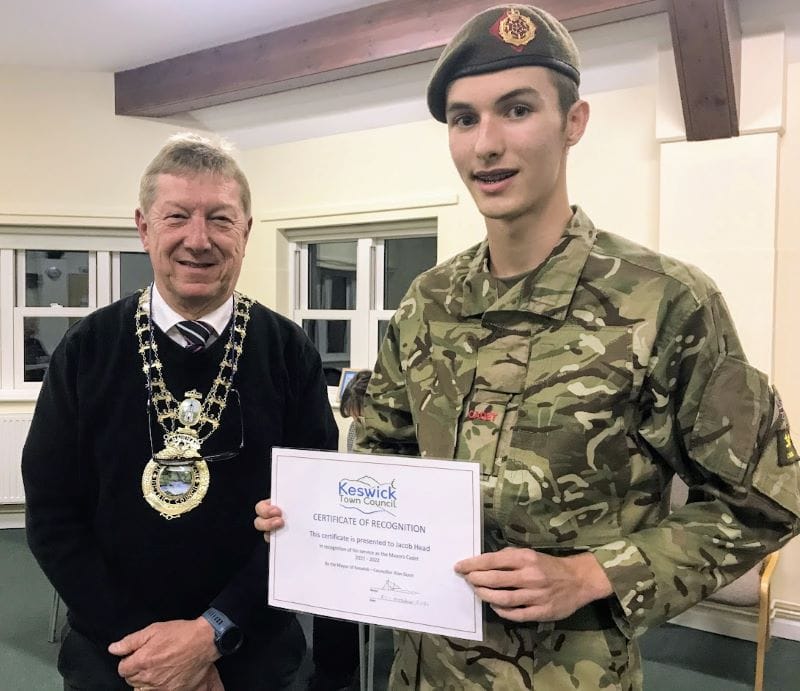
{"points": [[521, 584], [174, 655], [268, 518]]}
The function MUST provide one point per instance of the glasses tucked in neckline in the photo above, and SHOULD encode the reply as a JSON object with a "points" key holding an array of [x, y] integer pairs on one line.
{"points": [[211, 458]]}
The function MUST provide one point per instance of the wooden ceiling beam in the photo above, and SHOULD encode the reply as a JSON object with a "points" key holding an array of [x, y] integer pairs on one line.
{"points": [[391, 34], [706, 38]]}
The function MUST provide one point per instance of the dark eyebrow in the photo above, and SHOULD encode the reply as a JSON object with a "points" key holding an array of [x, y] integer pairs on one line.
{"points": [[457, 107], [526, 91]]}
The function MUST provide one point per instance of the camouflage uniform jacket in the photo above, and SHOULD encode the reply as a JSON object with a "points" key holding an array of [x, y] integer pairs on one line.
{"points": [[581, 391]]}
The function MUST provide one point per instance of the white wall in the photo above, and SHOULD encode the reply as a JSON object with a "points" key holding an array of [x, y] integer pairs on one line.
{"points": [[65, 152], [67, 159]]}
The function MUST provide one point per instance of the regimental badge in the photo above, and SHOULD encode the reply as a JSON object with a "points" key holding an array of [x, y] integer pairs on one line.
{"points": [[514, 28], [787, 453], [173, 490], [788, 447]]}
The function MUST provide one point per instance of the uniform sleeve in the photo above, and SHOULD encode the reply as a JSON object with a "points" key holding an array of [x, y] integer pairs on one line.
{"points": [[713, 419], [60, 498], [388, 421]]}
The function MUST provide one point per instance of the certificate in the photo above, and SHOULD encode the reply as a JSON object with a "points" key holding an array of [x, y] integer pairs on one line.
{"points": [[374, 539]]}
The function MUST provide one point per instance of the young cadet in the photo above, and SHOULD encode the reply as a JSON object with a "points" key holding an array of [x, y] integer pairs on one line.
{"points": [[582, 372]]}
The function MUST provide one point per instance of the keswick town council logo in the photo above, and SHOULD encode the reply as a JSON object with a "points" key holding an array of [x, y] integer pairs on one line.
{"points": [[367, 495]]}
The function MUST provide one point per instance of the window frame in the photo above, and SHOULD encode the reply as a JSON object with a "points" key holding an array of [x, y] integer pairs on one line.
{"points": [[103, 245], [368, 312]]}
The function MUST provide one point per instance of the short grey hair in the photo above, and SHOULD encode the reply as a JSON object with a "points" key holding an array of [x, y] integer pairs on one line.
{"points": [[191, 154]]}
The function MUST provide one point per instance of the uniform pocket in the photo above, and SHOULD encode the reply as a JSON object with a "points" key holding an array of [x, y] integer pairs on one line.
{"points": [[569, 442], [440, 377], [724, 440], [576, 401], [481, 425]]}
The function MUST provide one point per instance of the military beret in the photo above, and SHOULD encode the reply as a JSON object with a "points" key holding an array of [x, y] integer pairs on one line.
{"points": [[500, 38]]}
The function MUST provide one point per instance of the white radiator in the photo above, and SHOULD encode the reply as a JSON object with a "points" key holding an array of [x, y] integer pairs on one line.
{"points": [[13, 430]]}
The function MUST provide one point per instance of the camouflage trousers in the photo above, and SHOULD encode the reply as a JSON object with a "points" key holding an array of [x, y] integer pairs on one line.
{"points": [[534, 656]]}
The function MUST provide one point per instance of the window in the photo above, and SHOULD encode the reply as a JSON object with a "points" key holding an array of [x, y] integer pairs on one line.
{"points": [[49, 279], [348, 281], [130, 271]]}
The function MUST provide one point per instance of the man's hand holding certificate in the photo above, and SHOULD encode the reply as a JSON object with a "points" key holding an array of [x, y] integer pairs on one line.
{"points": [[374, 539]]}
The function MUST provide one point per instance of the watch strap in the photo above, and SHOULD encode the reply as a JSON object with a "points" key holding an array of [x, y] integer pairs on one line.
{"points": [[222, 625]]}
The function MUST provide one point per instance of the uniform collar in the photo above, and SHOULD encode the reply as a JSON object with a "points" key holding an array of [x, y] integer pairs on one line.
{"points": [[548, 290]]}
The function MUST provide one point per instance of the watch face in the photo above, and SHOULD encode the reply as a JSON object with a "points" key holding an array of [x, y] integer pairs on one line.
{"points": [[229, 640]]}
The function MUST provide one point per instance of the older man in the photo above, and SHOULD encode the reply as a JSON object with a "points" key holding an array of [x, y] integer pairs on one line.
{"points": [[150, 444]]}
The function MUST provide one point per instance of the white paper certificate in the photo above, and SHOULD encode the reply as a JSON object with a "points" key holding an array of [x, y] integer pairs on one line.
{"points": [[374, 539]]}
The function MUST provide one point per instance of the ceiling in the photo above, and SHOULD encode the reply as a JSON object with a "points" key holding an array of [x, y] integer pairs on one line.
{"points": [[116, 35], [113, 35]]}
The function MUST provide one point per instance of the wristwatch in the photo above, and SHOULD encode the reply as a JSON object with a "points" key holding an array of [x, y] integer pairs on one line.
{"points": [[227, 636]]}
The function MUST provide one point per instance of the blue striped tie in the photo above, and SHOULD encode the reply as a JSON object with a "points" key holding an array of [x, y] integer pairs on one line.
{"points": [[196, 334]]}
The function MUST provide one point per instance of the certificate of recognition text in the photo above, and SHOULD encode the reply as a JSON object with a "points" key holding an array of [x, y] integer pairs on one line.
{"points": [[374, 539]]}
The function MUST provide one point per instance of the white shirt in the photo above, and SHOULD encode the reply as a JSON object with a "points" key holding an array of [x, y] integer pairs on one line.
{"points": [[165, 318]]}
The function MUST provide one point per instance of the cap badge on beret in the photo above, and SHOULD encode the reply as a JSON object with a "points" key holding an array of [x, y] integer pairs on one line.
{"points": [[514, 28]]}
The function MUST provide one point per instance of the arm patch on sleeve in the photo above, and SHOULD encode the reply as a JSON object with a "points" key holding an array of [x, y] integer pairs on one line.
{"points": [[787, 452], [777, 474]]}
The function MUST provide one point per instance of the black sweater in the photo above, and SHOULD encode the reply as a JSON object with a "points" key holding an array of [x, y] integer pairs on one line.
{"points": [[116, 562]]}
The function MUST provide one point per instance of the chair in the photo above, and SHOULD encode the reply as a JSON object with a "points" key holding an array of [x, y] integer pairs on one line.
{"points": [[749, 593]]}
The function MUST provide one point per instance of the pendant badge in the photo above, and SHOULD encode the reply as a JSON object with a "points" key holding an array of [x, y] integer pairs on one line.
{"points": [[174, 490], [178, 483]]}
